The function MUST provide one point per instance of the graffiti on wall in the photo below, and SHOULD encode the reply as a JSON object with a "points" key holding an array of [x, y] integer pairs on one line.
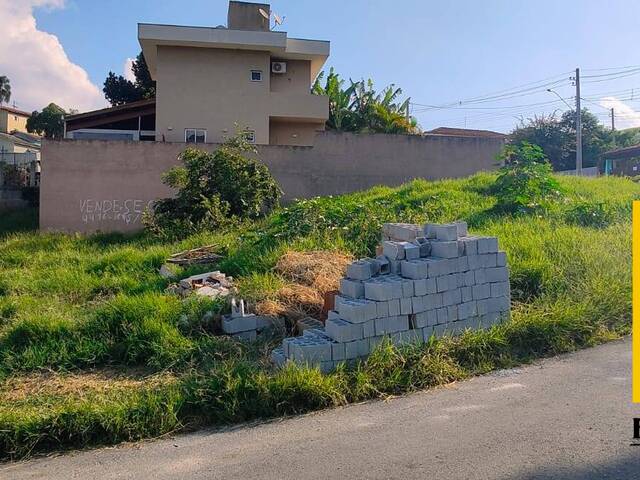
{"points": [[127, 211]]}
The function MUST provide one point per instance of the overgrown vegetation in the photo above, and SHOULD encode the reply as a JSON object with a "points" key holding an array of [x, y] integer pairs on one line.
{"points": [[214, 189], [93, 352]]}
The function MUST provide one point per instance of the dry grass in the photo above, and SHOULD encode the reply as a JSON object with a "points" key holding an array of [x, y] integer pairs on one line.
{"points": [[310, 276]]}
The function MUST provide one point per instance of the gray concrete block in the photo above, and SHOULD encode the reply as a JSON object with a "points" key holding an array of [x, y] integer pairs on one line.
{"points": [[278, 357], [356, 349], [468, 278], [393, 250], [356, 310], [424, 246], [451, 266], [394, 266], [470, 245], [430, 230], [374, 342], [417, 304], [452, 312], [444, 249], [499, 304], [427, 332], [420, 286], [490, 319], [474, 262], [451, 297], [442, 283], [379, 291], [248, 336], [405, 306], [383, 265], [498, 274], [442, 315], [382, 309], [394, 307], [482, 291], [501, 259], [500, 289], [437, 266], [446, 232], [414, 269], [359, 270], [480, 276], [433, 300], [310, 350], [461, 228], [231, 325], [286, 342], [482, 306], [488, 260], [407, 288], [466, 294], [333, 314], [317, 332], [343, 331], [487, 245], [337, 352], [351, 288], [368, 329], [467, 309], [406, 232], [384, 326], [411, 251], [463, 263], [406, 337]]}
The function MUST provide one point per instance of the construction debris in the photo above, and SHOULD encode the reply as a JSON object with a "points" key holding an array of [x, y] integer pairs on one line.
{"points": [[246, 326], [196, 256], [211, 284]]}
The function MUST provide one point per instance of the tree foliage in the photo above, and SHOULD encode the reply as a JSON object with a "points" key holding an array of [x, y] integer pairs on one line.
{"points": [[359, 108], [49, 122], [212, 189], [525, 183], [5, 89], [118, 90], [557, 138]]}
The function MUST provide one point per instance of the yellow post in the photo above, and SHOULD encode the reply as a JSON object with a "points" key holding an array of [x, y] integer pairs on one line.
{"points": [[635, 333]]}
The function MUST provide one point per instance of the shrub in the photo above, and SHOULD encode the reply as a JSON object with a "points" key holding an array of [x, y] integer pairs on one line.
{"points": [[591, 214], [525, 184], [214, 188]]}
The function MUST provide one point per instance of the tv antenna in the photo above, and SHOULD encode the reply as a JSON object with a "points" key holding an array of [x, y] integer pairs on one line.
{"points": [[277, 19]]}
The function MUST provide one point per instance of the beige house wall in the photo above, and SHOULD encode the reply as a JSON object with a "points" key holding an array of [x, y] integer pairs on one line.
{"points": [[296, 79], [10, 122], [93, 185], [212, 89], [293, 133]]}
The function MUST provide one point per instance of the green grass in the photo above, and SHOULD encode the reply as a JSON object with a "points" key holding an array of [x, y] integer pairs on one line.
{"points": [[84, 304]]}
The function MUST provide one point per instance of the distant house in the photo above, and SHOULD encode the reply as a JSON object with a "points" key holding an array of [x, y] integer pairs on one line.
{"points": [[623, 161], [18, 148], [466, 132], [211, 81]]}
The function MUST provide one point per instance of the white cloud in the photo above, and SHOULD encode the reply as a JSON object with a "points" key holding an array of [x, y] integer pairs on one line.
{"points": [[625, 116], [127, 70], [37, 65]]}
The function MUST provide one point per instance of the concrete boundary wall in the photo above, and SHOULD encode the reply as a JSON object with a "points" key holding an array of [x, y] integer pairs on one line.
{"points": [[97, 185]]}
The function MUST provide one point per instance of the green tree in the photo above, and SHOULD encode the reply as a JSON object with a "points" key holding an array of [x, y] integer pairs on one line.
{"points": [[49, 122], [360, 108], [5, 89], [118, 90], [557, 138]]}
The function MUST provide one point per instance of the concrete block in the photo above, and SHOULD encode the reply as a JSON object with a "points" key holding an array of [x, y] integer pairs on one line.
{"points": [[451, 297], [424, 246], [406, 337], [452, 312], [231, 325], [468, 279], [501, 259], [411, 251], [374, 342], [394, 267], [394, 307], [467, 309], [444, 249], [248, 336], [463, 263], [337, 352], [488, 260], [393, 250], [368, 329], [474, 262], [379, 291], [384, 326], [278, 357], [382, 309], [317, 332], [286, 342], [450, 266], [430, 230], [427, 332], [442, 315], [359, 270], [374, 265], [470, 245], [407, 288], [482, 306], [343, 331], [482, 291], [480, 276], [433, 300], [466, 294], [462, 229], [498, 274], [489, 319], [420, 286], [310, 350], [447, 282], [417, 304], [405, 306], [383, 263], [487, 245], [406, 232], [499, 304], [437, 266], [446, 232], [426, 319], [500, 289], [351, 288], [356, 310], [414, 269]]}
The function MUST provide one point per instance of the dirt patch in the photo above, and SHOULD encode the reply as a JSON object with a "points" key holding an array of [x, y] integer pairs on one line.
{"points": [[20, 388], [310, 276]]}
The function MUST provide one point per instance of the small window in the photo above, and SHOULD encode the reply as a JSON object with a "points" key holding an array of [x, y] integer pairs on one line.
{"points": [[250, 135], [195, 135], [256, 75]]}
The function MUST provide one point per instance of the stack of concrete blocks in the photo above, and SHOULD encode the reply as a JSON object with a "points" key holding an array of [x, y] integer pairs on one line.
{"points": [[430, 280], [242, 325]]}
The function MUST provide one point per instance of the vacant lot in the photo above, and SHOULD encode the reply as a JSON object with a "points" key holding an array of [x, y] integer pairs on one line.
{"points": [[92, 351]]}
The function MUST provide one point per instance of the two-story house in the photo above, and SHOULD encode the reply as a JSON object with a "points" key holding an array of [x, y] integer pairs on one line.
{"points": [[211, 82]]}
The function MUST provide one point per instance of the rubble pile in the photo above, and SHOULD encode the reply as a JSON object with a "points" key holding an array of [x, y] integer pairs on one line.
{"points": [[428, 280], [210, 284]]}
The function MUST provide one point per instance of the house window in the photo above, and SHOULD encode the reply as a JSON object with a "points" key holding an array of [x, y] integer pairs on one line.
{"points": [[256, 75], [250, 135], [195, 135]]}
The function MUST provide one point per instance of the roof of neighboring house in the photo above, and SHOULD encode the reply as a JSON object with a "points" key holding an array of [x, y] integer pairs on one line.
{"points": [[15, 111], [110, 114], [628, 152], [465, 132], [17, 139]]}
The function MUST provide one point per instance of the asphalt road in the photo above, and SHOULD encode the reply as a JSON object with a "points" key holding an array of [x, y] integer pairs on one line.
{"points": [[568, 417]]}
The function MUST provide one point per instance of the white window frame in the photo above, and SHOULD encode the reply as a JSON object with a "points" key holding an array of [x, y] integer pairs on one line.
{"points": [[195, 135], [251, 75], [250, 135]]}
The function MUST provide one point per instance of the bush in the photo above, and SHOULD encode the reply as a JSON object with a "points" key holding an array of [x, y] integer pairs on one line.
{"points": [[213, 189], [591, 214], [525, 184]]}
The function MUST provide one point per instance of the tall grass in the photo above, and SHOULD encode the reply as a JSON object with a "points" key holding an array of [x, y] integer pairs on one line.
{"points": [[73, 303]]}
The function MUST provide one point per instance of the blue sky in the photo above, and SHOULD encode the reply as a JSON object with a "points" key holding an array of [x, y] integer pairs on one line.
{"points": [[438, 52]]}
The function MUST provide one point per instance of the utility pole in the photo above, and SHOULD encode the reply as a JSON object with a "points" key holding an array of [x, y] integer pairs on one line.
{"points": [[578, 126], [613, 127]]}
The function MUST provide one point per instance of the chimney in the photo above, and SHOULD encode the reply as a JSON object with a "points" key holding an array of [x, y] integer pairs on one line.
{"points": [[246, 16]]}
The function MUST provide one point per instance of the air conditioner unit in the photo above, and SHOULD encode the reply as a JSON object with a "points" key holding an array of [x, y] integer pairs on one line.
{"points": [[279, 67]]}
